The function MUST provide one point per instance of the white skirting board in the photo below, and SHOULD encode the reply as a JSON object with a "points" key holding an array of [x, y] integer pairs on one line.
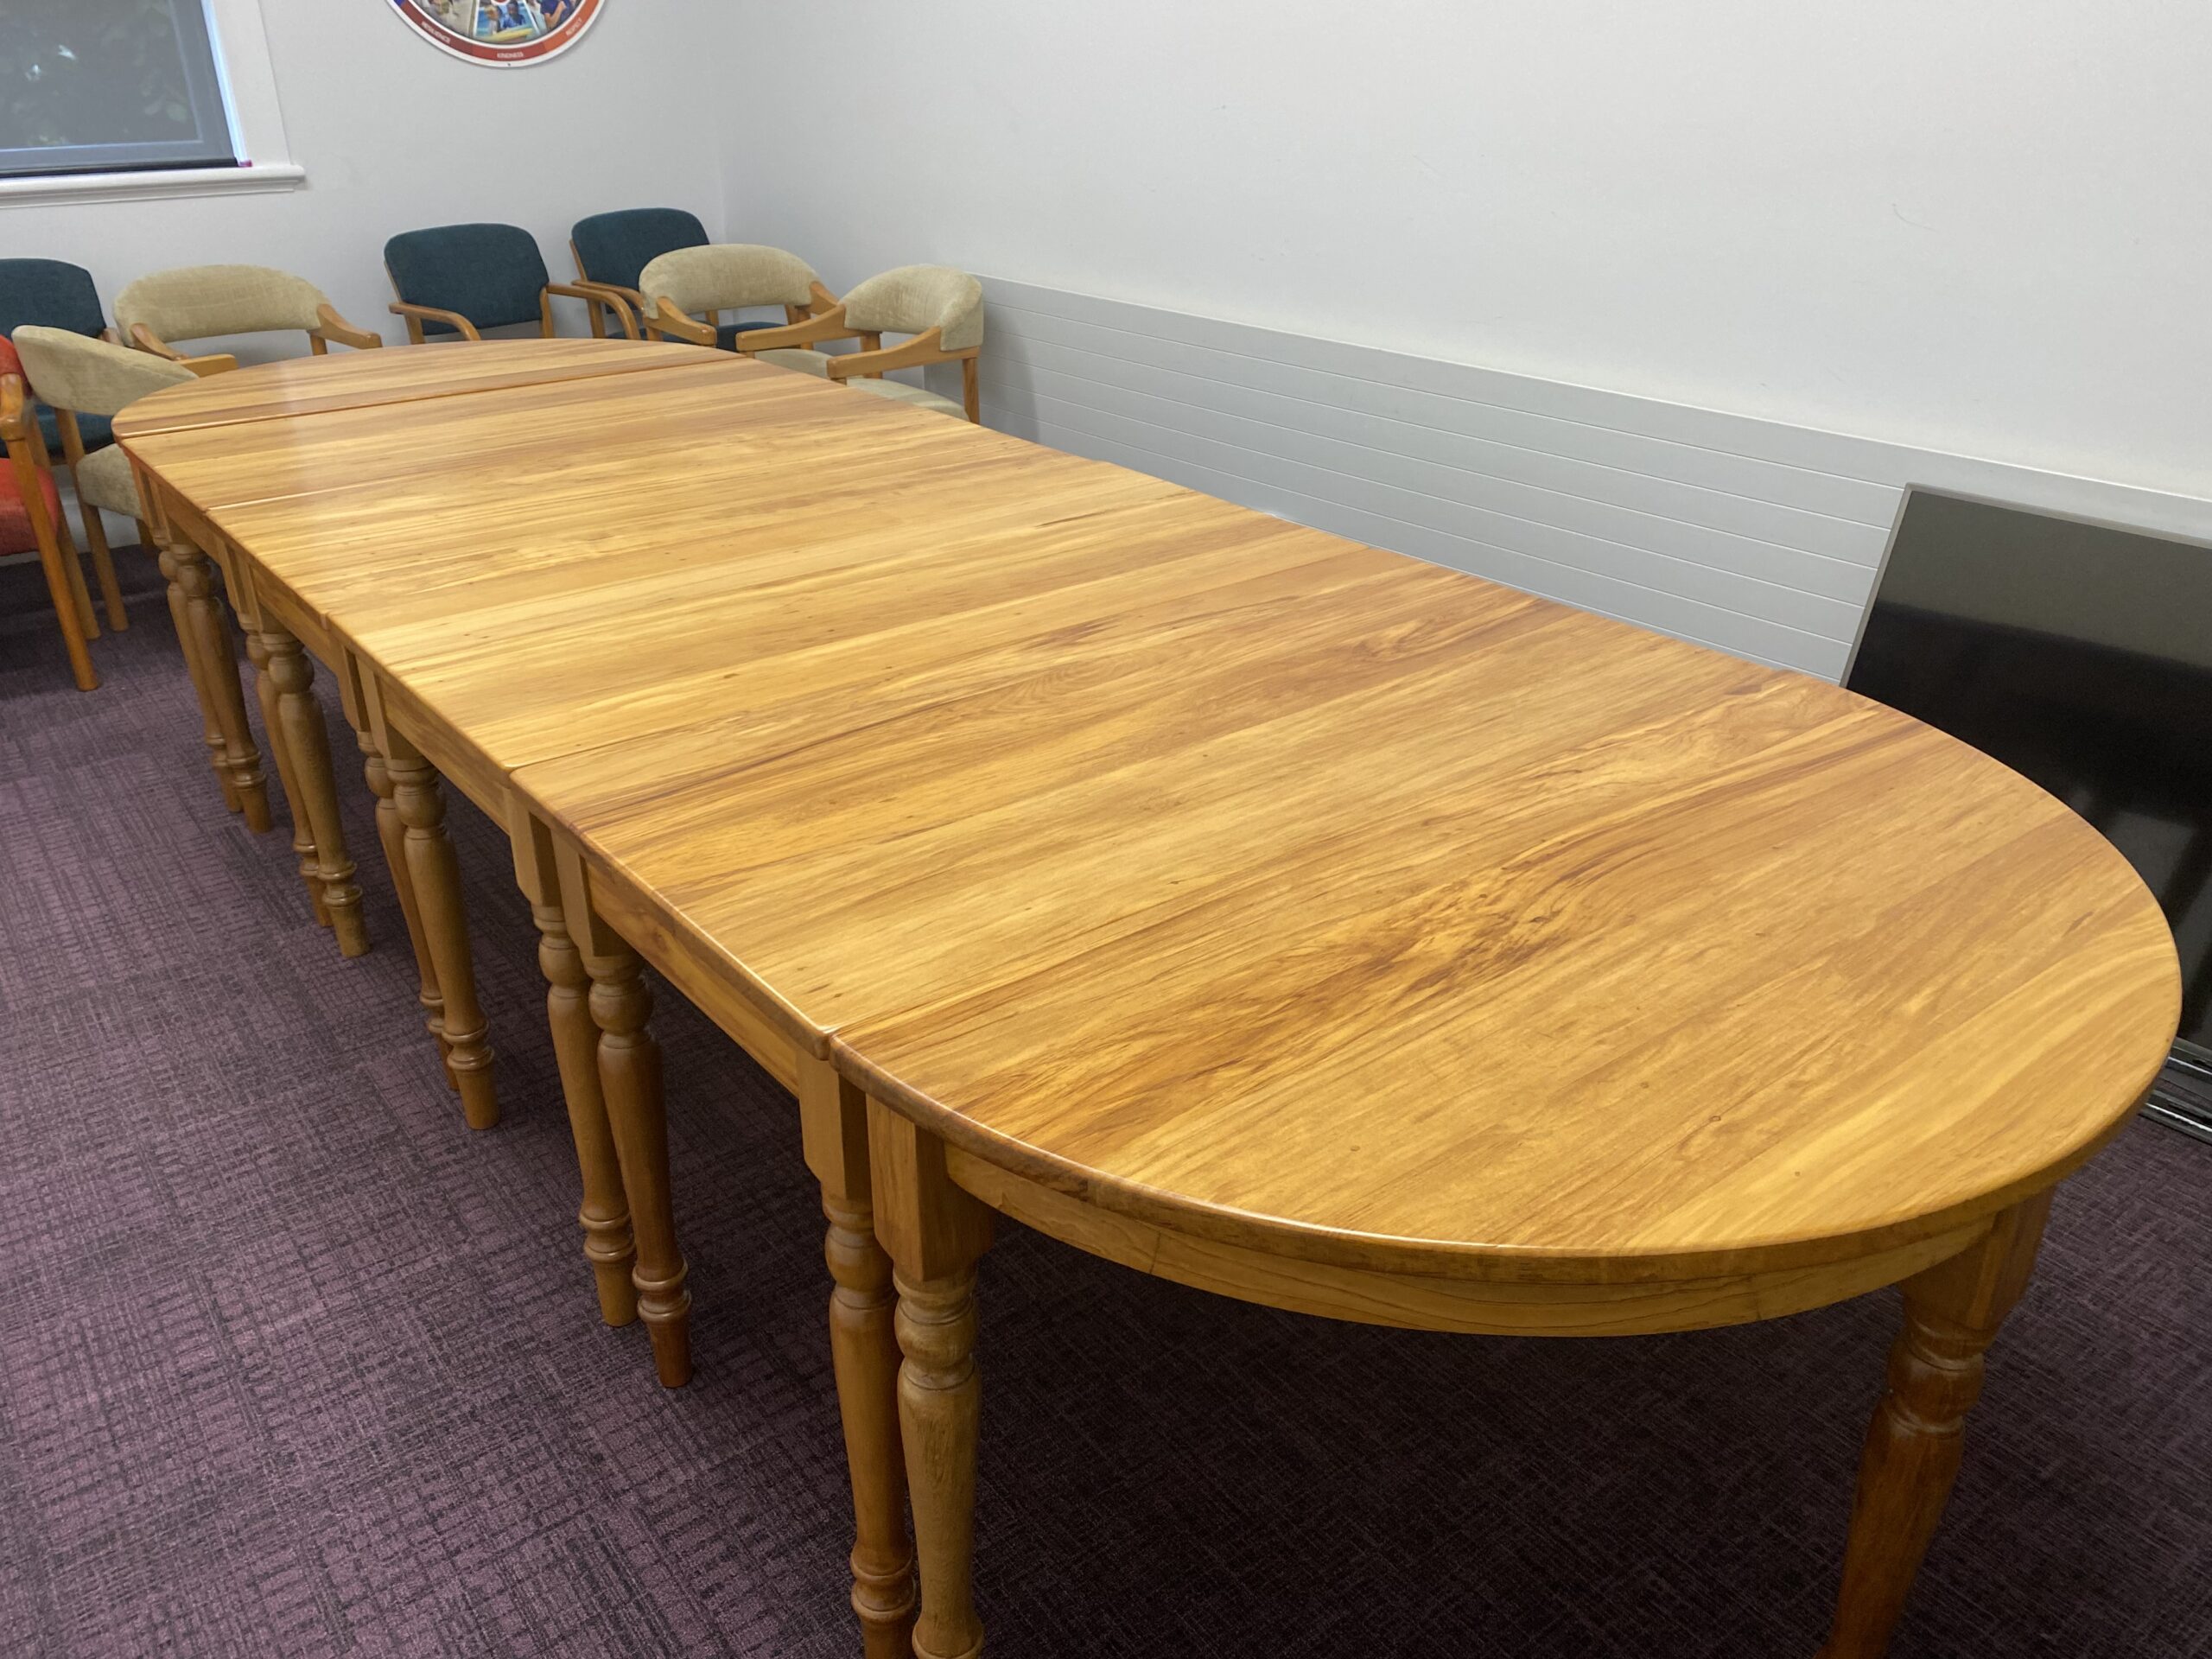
{"points": [[1751, 535]]}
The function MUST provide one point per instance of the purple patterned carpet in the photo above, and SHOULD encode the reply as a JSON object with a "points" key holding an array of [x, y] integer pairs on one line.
{"points": [[293, 1362]]}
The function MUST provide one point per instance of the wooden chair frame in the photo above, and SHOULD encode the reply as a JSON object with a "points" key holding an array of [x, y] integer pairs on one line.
{"points": [[331, 327], [72, 453], [664, 321], [928, 347], [592, 294], [57, 553]]}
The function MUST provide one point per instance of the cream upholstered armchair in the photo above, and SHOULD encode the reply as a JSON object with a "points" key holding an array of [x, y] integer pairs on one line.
{"points": [[687, 290], [940, 307], [205, 302], [75, 376]]}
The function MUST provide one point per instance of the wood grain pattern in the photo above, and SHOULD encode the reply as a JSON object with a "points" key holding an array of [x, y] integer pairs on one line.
{"points": [[1640, 962], [1259, 909], [306, 385]]}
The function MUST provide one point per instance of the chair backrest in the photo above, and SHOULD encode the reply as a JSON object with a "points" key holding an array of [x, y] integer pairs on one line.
{"points": [[90, 376], [49, 293], [491, 274], [914, 299], [200, 302], [615, 248], [727, 276]]}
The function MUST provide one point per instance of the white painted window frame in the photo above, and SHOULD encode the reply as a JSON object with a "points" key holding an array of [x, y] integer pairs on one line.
{"points": [[249, 81]]}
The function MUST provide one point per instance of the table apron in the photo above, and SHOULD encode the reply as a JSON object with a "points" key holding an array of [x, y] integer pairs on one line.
{"points": [[1425, 1302]]}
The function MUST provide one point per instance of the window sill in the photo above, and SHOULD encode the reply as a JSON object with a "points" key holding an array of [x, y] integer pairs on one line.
{"points": [[142, 187]]}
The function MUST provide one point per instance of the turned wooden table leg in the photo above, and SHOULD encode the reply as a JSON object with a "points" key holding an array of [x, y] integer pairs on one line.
{"points": [[934, 1233], [630, 1081], [629, 1076], [1952, 1314], [392, 836], [272, 726], [303, 732], [211, 648], [210, 732], [605, 1212], [864, 1350], [434, 872], [605, 1215]]}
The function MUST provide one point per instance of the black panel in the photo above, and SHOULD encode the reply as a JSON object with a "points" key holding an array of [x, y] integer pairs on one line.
{"points": [[2080, 655]]}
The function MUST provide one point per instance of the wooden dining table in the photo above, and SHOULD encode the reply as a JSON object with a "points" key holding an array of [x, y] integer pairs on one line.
{"points": [[1277, 915]]}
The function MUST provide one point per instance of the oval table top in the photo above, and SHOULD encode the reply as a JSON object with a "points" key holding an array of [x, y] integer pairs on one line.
{"points": [[1394, 919], [1226, 874]]}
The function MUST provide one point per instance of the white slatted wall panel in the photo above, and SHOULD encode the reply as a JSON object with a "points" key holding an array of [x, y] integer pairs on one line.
{"points": [[1754, 537]]}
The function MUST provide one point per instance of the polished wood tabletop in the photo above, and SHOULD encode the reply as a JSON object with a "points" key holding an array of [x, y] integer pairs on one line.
{"points": [[1215, 875], [307, 385]]}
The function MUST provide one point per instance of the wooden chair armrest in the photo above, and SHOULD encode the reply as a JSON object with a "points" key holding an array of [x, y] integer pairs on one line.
{"points": [[146, 340], [214, 363], [596, 293], [827, 325], [336, 327], [924, 347], [629, 296], [13, 404], [416, 316], [666, 322]]}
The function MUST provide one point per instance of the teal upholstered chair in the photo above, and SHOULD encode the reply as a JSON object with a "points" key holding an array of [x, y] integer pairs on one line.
{"points": [[461, 279], [613, 250], [54, 294]]}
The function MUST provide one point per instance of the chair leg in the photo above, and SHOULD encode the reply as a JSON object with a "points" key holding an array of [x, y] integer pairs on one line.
{"points": [[80, 596], [104, 568], [63, 593]]}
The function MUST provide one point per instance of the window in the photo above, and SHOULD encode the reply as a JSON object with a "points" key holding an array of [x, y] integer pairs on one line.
{"points": [[110, 86]]}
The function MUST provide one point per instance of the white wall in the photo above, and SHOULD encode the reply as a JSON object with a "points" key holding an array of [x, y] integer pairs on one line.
{"points": [[395, 136], [1976, 227]]}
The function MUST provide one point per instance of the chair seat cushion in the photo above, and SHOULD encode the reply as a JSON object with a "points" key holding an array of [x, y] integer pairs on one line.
{"points": [[900, 392], [97, 430], [726, 334], [799, 357], [104, 481], [16, 533]]}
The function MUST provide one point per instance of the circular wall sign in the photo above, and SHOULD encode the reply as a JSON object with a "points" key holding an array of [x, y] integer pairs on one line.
{"points": [[504, 33]]}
